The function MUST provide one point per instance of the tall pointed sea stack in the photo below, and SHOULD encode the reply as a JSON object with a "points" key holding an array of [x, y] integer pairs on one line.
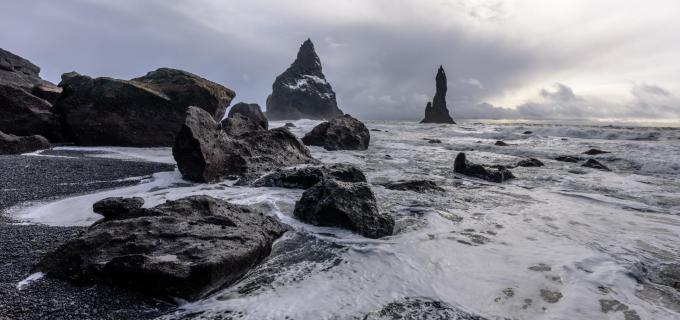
{"points": [[436, 111], [302, 90]]}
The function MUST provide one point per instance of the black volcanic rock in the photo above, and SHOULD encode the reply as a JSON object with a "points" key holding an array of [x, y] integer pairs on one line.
{"points": [[252, 111], [347, 205], [143, 112], [436, 111], [302, 91], [463, 166], [592, 163], [205, 153], [593, 152], [305, 178], [531, 162], [238, 124], [11, 144], [420, 186], [501, 143], [185, 248], [342, 133], [571, 159], [26, 99]]}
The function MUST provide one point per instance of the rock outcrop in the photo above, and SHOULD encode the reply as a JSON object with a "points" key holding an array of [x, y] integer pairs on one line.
{"points": [[593, 152], [302, 91], [531, 162], [592, 163], [143, 112], [571, 159], [463, 166], [421, 186], [11, 144], [26, 99], [305, 178], [205, 153], [436, 111], [347, 205], [180, 249], [252, 111], [238, 124], [342, 133]]}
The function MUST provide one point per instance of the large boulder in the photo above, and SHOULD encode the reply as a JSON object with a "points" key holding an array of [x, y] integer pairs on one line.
{"points": [[436, 111], [143, 112], [185, 248], [11, 144], [344, 204], [305, 178], [252, 111], [302, 92], [238, 124], [342, 133], [26, 99], [205, 153], [463, 166]]}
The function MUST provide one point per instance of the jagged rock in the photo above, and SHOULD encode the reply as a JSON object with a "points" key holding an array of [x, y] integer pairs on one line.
{"points": [[531, 162], [436, 111], [593, 152], [421, 186], [238, 124], [26, 99], [347, 205], [289, 125], [11, 144], [184, 248], [118, 208], [592, 163], [302, 91], [205, 153], [342, 133], [305, 178], [252, 111], [501, 143], [527, 132], [463, 166], [571, 159], [143, 112]]}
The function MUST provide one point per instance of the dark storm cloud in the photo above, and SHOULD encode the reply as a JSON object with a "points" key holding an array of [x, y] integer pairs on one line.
{"points": [[380, 57]]}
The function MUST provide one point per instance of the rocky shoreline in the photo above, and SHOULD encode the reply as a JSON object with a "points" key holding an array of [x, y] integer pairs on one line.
{"points": [[25, 179]]}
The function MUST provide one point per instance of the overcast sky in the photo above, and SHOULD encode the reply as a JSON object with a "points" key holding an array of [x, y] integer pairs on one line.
{"points": [[556, 59]]}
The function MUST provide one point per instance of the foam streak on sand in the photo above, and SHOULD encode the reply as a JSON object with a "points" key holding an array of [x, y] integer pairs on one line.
{"points": [[552, 244]]}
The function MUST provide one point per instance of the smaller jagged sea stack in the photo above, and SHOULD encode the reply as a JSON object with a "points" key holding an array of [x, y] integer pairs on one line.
{"points": [[252, 111], [143, 112], [11, 144], [244, 118], [436, 111], [180, 249], [206, 153], [342, 133], [26, 99], [347, 205], [305, 178], [463, 166], [302, 91]]}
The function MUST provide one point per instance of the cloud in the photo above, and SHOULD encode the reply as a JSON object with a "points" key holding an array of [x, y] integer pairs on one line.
{"points": [[381, 58]]}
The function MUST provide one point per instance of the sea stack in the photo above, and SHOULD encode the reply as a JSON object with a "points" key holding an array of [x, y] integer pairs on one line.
{"points": [[302, 92], [436, 111]]}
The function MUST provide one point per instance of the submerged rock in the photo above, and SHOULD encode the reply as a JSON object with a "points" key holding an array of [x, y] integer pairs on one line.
{"points": [[571, 159], [463, 166], [143, 112], [205, 153], [436, 111], [305, 178], [421, 186], [342, 133], [594, 152], [252, 111], [429, 140], [302, 91], [592, 163], [501, 143], [184, 248], [666, 274], [419, 309], [531, 162], [11, 144], [26, 99], [342, 204]]}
